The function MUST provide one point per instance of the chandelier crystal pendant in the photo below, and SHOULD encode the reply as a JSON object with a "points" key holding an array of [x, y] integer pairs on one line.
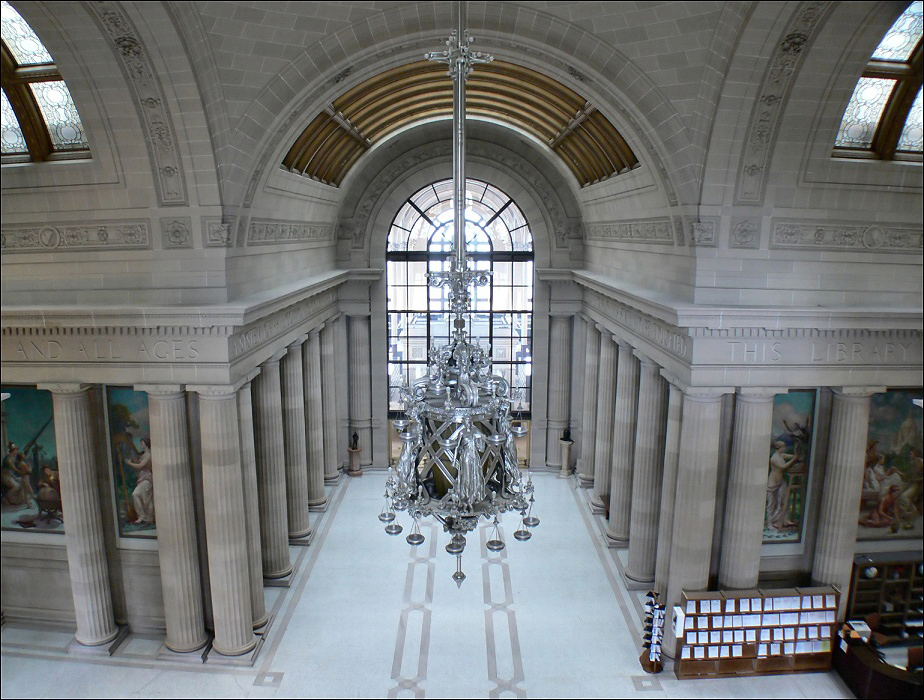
{"points": [[458, 459]]}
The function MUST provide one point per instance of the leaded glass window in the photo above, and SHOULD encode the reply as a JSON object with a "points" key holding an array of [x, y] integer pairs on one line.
{"points": [[40, 119], [498, 238], [883, 117]]}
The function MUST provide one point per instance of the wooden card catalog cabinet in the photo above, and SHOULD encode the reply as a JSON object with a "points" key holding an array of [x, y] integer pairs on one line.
{"points": [[735, 633]]}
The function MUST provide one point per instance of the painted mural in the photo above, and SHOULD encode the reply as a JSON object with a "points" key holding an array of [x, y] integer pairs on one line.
{"points": [[788, 469], [31, 490], [890, 496], [132, 473]]}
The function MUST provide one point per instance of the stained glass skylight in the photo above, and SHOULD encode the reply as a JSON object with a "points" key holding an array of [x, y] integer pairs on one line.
{"points": [[864, 112], [912, 138], [901, 39], [13, 141], [23, 43]]}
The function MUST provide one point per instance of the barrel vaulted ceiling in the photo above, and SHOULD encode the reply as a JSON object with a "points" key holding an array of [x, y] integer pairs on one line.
{"points": [[571, 126]]}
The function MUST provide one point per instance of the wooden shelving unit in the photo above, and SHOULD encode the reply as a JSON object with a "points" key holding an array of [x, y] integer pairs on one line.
{"points": [[736, 633], [890, 584]]}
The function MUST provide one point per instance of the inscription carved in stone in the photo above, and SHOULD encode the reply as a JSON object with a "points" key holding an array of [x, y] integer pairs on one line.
{"points": [[271, 327]]}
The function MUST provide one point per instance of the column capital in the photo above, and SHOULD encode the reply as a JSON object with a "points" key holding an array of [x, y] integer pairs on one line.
{"points": [[161, 391], [857, 392], [622, 342], [600, 327], [333, 319], [297, 343], [64, 388], [643, 358], [759, 393], [316, 331], [215, 392], [277, 356], [249, 377]]}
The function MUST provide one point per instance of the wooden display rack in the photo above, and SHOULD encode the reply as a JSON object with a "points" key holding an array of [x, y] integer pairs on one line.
{"points": [[892, 586], [738, 633]]}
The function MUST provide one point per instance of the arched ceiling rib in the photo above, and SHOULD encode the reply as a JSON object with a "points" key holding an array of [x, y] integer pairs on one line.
{"points": [[572, 127]]}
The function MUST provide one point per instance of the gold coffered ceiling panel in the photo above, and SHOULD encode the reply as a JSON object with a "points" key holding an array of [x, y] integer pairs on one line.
{"points": [[571, 126]]}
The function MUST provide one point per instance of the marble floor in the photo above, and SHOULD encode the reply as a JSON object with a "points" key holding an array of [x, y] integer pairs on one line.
{"points": [[367, 615]]}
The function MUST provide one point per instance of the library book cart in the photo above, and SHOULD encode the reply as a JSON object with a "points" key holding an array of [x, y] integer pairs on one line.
{"points": [[738, 633]]}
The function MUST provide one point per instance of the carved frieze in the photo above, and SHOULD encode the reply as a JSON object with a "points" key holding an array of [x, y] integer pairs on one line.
{"points": [[657, 231], [745, 234], [216, 233], [703, 234], [774, 92], [150, 102], [102, 235], [268, 232], [861, 237], [176, 232]]}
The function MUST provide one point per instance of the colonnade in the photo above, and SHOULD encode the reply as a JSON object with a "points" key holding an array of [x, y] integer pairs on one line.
{"points": [[267, 444], [650, 449]]}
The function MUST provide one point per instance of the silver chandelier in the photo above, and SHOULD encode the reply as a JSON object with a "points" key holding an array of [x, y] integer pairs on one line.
{"points": [[458, 458]]}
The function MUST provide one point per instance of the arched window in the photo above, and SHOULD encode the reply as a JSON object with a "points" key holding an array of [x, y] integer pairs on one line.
{"points": [[498, 238], [39, 118], [884, 116]]}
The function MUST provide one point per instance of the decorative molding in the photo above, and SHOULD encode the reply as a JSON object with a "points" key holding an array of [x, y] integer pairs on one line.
{"points": [[745, 234], [861, 237], [655, 231], [268, 232], [773, 95], [216, 233], [150, 101], [703, 234], [680, 237], [176, 232], [101, 235]]}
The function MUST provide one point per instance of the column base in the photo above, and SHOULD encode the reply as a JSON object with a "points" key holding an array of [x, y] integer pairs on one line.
{"points": [[638, 583], [107, 648], [283, 581], [614, 542], [585, 481], [246, 658], [262, 627], [301, 540], [197, 656], [318, 506], [598, 504], [331, 479]]}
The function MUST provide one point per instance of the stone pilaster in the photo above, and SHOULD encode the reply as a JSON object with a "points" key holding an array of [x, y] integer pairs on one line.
{"points": [[589, 414], [177, 548], [647, 469], [83, 527], [559, 386], [271, 471], [296, 457], [251, 503], [840, 499], [668, 484], [329, 400], [694, 511], [606, 395], [226, 531], [360, 377], [314, 425], [625, 418], [745, 505]]}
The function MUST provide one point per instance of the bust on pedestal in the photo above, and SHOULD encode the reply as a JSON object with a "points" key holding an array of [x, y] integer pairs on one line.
{"points": [[354, 450], [566, 442]]}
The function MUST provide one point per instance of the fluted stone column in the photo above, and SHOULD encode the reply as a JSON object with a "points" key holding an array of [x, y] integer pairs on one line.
{"points": [[606, 394], [294, 440], [329, 400], [559, 386], [343, 392], [251, 503], [840, 500], [360, 377], [694, 510], [746, 502], [668, 484], [271, 471], [83, 532], [226, 531], [647, 469], [176, 520], [314, 425], [625, 418], [589, 415]]}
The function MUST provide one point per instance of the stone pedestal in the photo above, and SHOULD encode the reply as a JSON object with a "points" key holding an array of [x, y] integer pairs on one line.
{"points": [[565, 458], [86, 547], [176, 520], [355, 467], [624, 420], [226, 531], [295, 440], [271, 472], [647, 468], [314, 422], [840, 499], [606, 395], [745, 505], [589, 414]]}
